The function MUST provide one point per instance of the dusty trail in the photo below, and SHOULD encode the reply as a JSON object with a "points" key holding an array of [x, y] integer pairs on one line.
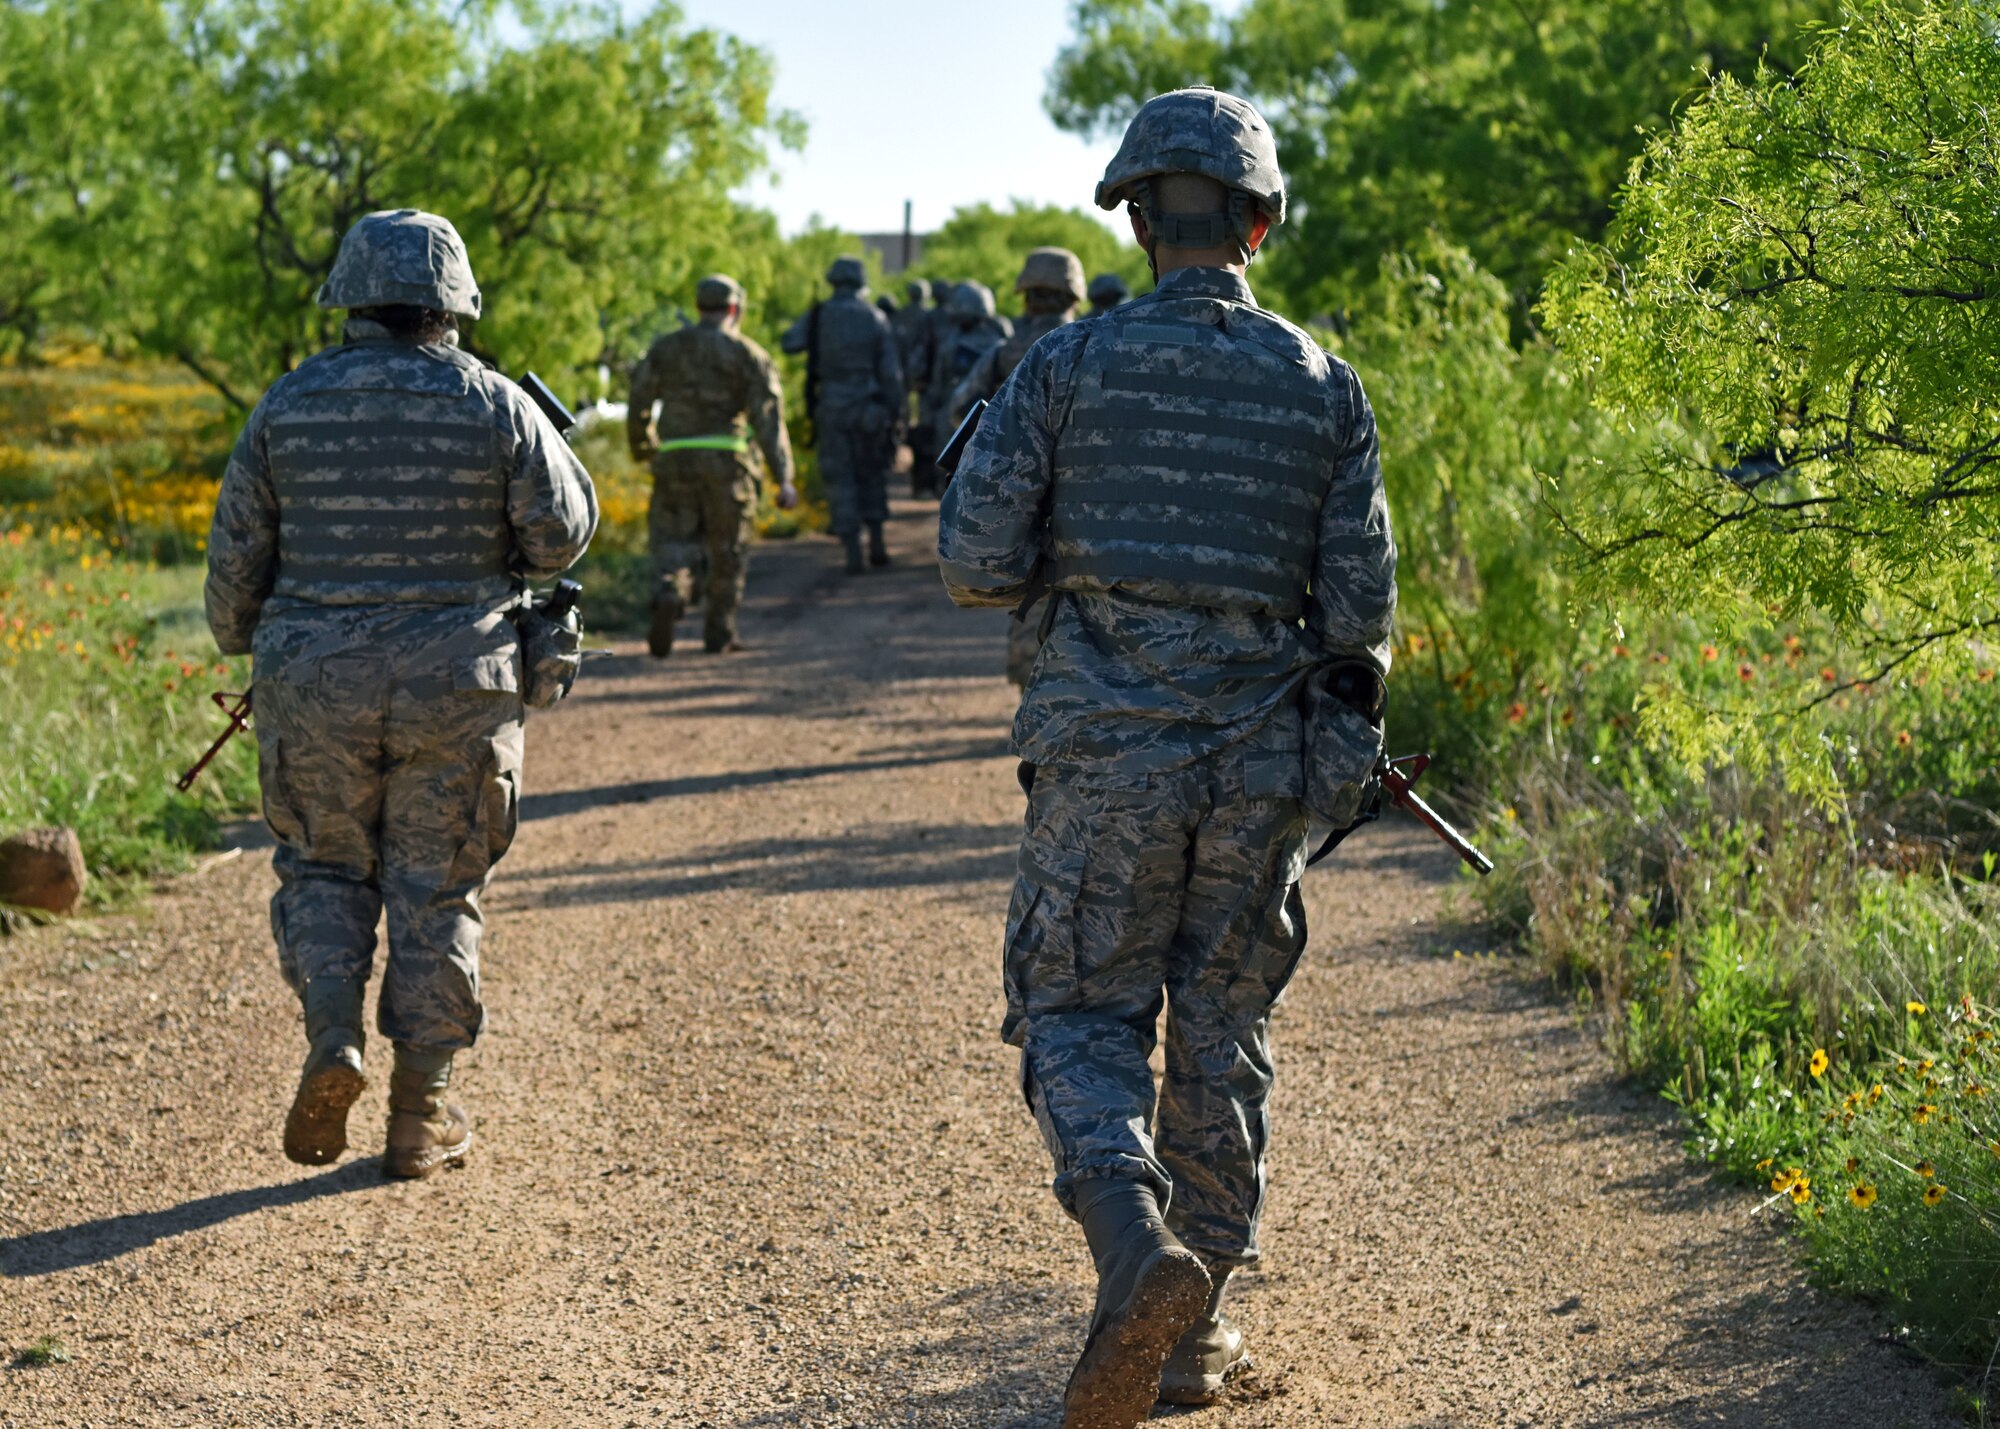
{"points": [[752, 1155]]}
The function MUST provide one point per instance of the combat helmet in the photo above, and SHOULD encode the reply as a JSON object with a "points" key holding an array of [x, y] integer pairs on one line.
{"points": [[971, 301], [848, 272], [1198, 130], [402, 256], [716, 292], [1055, 269], [1108, 288]]}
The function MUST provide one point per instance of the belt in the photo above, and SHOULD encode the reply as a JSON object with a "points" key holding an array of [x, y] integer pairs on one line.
{"points": [[706, 444]]}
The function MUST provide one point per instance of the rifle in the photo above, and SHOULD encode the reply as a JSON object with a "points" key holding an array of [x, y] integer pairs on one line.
{"points": [[954, 450], [239, 722], [1397, 786], [560, 417]]}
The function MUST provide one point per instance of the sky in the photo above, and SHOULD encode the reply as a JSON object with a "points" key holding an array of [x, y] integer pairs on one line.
{"points": [[949, 115]]}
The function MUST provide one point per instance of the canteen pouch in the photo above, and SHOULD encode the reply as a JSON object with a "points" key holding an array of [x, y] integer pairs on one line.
{"points": [[1342, 751], [551, 654]]}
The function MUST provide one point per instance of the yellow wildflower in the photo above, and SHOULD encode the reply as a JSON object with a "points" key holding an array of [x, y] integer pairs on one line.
{"points": [[1922, 1114], [1934, 1193], [1819, 1062], [1801, 1191], [1925, 1169], [1862, 1195], [1915, 1008]]}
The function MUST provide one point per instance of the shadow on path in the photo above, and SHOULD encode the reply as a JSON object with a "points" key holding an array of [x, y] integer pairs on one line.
{"points": [[94, 1242], [571, 801]]}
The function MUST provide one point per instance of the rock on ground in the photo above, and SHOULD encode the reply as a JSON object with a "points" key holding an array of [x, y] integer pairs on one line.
{"points": [[751, 1153], [43, 868]]}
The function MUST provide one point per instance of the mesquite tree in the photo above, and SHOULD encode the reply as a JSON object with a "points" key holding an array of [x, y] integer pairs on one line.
{"points": [[1805, 274]]}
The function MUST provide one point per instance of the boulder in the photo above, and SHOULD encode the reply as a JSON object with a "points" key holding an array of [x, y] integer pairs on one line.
{"points": [[43, 868]]}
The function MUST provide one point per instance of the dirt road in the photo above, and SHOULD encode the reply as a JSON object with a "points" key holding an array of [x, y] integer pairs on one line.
{"points": [[751, 1153]]}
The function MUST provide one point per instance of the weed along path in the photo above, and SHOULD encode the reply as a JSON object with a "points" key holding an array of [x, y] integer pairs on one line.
{"points": [[750, 1152]]}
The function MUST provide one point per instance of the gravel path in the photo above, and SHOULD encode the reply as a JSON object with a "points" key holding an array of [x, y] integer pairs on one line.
{"points": [[751, 1153]]}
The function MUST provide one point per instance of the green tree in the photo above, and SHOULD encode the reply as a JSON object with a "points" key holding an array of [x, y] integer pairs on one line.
{"points": [[1806, 272], [587, 157], [987, 244], [1505, 128]]}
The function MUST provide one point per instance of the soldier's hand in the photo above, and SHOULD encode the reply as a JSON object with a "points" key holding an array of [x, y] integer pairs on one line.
{"points": [[788, 496]]}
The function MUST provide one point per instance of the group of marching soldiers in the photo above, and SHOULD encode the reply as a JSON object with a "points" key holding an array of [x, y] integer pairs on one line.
{"points": [[1188, 483], [956, 349], [878, 377]]}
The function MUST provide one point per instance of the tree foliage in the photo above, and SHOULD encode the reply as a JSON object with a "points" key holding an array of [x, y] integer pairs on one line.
{"points": [[182, 170], [1504, 127], [1807, 272], [987, 244]]}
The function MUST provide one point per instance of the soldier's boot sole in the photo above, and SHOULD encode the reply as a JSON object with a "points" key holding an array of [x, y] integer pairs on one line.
{"points": [[403, 1164], [316, 1126], [1116, 1382]]}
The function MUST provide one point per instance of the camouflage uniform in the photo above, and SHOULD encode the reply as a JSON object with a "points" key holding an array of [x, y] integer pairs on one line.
{"points": [[970, 331], [710, 382], [1051, 281], [1107, 291], [915, 328], [859, 382], [1199, 484], [378, 516]]}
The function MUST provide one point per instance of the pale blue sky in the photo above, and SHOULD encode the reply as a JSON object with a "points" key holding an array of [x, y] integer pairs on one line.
{"points": [[949, 115]]}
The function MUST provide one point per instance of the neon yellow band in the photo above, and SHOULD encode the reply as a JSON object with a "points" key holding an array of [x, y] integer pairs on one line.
{"points": [[706, 444]]}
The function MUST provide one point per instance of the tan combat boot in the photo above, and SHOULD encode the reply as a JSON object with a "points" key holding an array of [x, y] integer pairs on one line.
{"points": [[425, 1132], [1209, 1355], [1150, 1289], [316, 1126]]}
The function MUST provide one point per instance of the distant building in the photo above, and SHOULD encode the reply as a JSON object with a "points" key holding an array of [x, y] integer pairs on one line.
{"points": [[890, 246]]}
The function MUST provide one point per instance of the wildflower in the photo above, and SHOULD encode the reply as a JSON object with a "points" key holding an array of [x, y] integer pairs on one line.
{"points": [[1922, 1114], [1862, 1195], [1791, 1176], [1828, 674], [1853, 1164], [1924, 1067], [1902, 739], [1925, 1169], [1934, 1193], [1516, 712], [1746, 672], [1915, 1009], [1708, 654], [1819, 1062], [1851, 1103], [1765, 1164], [1620, 652], [1801, 1191], [1974, 1089]]}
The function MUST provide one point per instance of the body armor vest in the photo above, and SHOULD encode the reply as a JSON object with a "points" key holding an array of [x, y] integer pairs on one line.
{"points": [[849, 344], [700, 374], [1201, 440], [1027, 332], [385, 460]]}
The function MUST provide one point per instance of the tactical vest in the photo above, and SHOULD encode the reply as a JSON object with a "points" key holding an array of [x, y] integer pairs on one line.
{"points": [[849, 344], [1200, 443], [385, 459], [699, 374], [1027, 332]]}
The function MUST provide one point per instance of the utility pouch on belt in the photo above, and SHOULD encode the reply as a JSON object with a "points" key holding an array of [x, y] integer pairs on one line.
{"points": [[1343, 718], [551, 645]]}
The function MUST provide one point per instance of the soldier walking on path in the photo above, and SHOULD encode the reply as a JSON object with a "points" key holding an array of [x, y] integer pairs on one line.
{"points": [[1107, 291], [853, 382], [378, 517], [1050, 285], [971, 330], [709, 381], [1199, 483], [914, 326]]}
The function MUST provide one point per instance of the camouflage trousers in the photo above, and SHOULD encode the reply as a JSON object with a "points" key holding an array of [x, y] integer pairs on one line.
{"points": [[854, 469], [702, 518], [389, 749], [1024, 641], [1177, 890]]}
